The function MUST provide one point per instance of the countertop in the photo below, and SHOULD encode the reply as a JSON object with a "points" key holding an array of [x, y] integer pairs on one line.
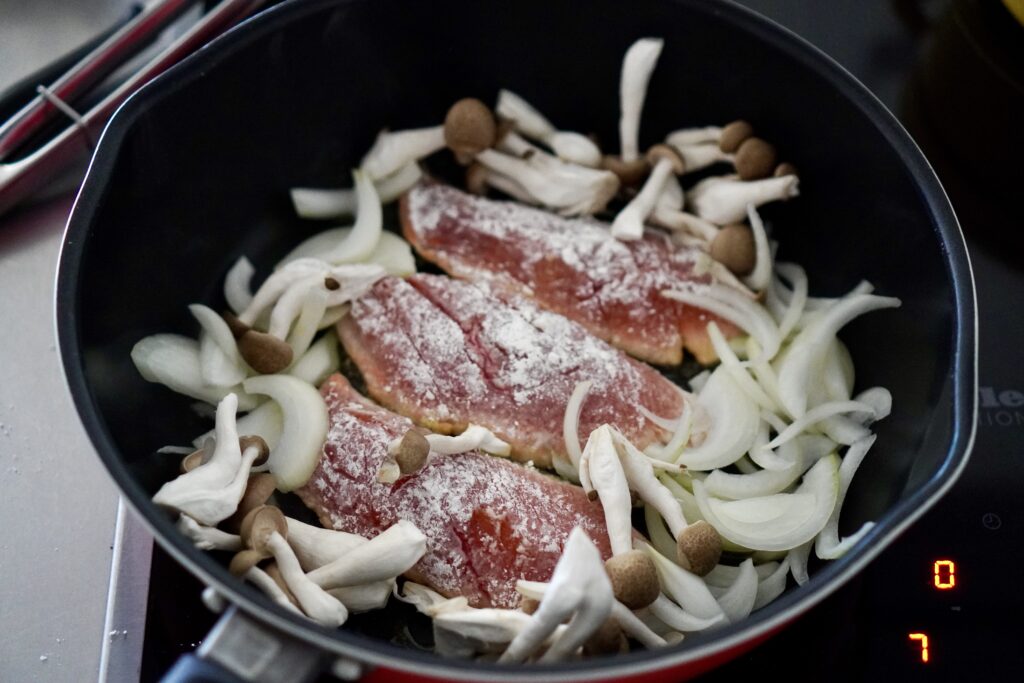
{"points": [[59, 506]]}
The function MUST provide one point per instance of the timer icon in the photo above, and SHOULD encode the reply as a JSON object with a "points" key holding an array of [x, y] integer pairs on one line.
{"points": [[991, 521]]}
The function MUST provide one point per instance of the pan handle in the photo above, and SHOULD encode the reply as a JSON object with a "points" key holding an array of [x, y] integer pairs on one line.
{"points": [[240, 648]]}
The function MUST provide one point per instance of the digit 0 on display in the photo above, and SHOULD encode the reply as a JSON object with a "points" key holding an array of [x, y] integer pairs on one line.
{"points": [[944, 574]]}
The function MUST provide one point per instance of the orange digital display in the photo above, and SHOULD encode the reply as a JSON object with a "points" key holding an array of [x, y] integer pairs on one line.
{"points": [[944, 574], [923, 639]]}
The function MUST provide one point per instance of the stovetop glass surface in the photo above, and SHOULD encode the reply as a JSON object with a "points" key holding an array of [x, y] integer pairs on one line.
{"points": [[949, 590]]}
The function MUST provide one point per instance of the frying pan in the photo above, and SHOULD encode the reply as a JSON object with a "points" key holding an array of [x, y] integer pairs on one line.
{"points": [[193, 172]]}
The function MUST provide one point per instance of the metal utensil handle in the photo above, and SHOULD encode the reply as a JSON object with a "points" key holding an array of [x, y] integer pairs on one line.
{"points": [[239, 648]]}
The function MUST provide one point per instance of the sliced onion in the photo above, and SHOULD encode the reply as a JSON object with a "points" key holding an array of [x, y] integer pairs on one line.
{"points": [[331, 203], [761, 483], [737, 308], [798, 562], [780, 521], [671, 451], [219, 361], [734, 423], [570, 423], [658, 533], [366, 232], [237, 285], [724, 575], [698, 381], [305, 427], [738, 601], [797, 371], [828, 546], [795, 308], [278, 283], [392, 252], [761, 276], [265, 421], [817, 414], [771, 586], [736, 369], [687, 590], [319, 362], [305, 328], [663, 422], [173, 360], [332, 315], [676, 617]]}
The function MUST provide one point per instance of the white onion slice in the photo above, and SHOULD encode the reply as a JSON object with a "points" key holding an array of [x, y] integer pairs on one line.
{"points": [[265, 421], [817, 414], [305, 427], [736, 369], [660, 537], [761, 483], [320, 361], [237, 289], [772, 586], [798, 277], [391, 252], [761, 276], [724, 575], [738, 601], [778, 522], [366, 232], [687, 590], [305, 328], [173, 360], [798, 562], [676, 617], [734, 424], [736, 307], [827, 546], [219, 361], [570, 423], [331, 203], [796, 372], [278, 283]]}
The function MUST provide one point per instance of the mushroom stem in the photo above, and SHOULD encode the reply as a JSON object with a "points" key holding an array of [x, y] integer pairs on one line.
{"points": [[640, 476], [474, 437], [578, 584], [723, 200], [385, 556], [208, 538], [318, 605], [637, 66], [701, 156], [210, 492], [262, 580], [687, 137], [392, 151], [316, 546], [365, 597], [279, 282], [605, 474], [629, 223], [566, 188], [572, 147]]}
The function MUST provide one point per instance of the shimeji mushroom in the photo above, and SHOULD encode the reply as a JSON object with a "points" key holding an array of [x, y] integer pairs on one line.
{"points": [[264, 531], [210, 493], [479, 178], [393, 150], [724, 199], [469, 128], [629, 223], [579, 588], [409, 452], [572, 147], [569, 189], [385, 556], [698, 157], [208, 538], [688, 137], [637, 66]]}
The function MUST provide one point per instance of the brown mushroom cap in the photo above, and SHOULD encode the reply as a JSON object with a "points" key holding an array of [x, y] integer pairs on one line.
{"points": [[476, 179], [265, 353], [785, 168], [257, 491], [734, 248], [331, 284], [412, 453], [661, 151], [469, 128], [630, 173], [244, 560], [699, 548], [634, 578], [237, 327], [733, 134], [755, 159], [609, 639], [528, 605], [259, 524]]}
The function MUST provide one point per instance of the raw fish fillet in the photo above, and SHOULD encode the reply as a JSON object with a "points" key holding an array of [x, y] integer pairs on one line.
{"points": [[488, 521], [448, 353], [572, 266]]}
